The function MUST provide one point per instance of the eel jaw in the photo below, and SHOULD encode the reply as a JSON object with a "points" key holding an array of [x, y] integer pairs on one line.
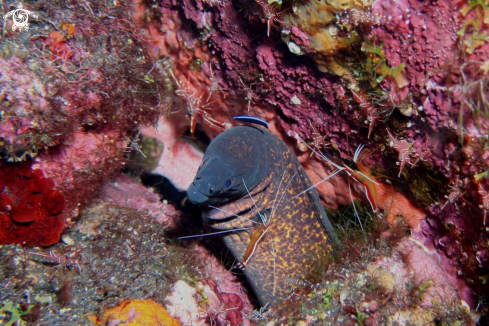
{"points": [[195, 196]]}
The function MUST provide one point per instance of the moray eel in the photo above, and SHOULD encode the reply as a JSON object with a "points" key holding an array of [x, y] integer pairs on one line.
{"points": [[298, 231]]}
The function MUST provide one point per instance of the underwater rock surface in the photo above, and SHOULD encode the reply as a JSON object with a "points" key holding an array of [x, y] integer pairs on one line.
{"points": [[422, 114], [69, 99], [407, 79]]}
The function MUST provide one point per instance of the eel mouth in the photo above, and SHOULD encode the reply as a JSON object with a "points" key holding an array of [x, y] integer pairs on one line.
{"points": [[195, 196]]}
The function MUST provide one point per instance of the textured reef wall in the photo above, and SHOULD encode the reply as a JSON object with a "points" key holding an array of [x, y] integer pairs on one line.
{"points": [[71, 93], [407, 79]]}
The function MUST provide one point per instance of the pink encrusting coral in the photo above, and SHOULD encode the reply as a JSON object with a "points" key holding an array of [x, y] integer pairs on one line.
{"points": [[407, 79], [131, 194], [228, 303], [178, 154], [403, 56], [70, 95], [23, 95], [224, 300], [421, 37], [81, 167], [449, 123]]}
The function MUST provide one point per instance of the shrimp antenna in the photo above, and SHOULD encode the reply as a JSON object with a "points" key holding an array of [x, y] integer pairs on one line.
{"points": [[283, 194], [214, 233], [263, 217]]}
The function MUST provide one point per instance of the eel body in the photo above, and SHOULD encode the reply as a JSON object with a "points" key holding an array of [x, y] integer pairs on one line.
{"points": [[248, 159]]}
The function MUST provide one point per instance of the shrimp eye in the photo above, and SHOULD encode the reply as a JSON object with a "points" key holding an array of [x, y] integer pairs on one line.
{"points": [[228, 184]]}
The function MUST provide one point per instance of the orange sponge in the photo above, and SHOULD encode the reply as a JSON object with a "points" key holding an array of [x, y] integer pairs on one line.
{"points": [[140, 313]]}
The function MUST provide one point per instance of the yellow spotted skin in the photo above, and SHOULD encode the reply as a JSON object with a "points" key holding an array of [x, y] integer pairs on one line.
{"points": [[299, 231]]}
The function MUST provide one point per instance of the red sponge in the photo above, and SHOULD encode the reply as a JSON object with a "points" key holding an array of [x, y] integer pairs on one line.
{"points": [[31, 210]]}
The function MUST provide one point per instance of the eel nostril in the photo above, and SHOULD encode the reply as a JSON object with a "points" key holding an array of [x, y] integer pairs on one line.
{"points": [[198, 177], [211, 189]]}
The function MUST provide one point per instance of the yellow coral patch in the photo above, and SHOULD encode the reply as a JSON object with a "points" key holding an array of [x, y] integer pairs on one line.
{"points": [[314, 18], [140, 313], [69, 29]]}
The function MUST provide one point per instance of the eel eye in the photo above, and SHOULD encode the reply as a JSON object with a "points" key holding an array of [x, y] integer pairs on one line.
{"points": [[228, 184]]}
